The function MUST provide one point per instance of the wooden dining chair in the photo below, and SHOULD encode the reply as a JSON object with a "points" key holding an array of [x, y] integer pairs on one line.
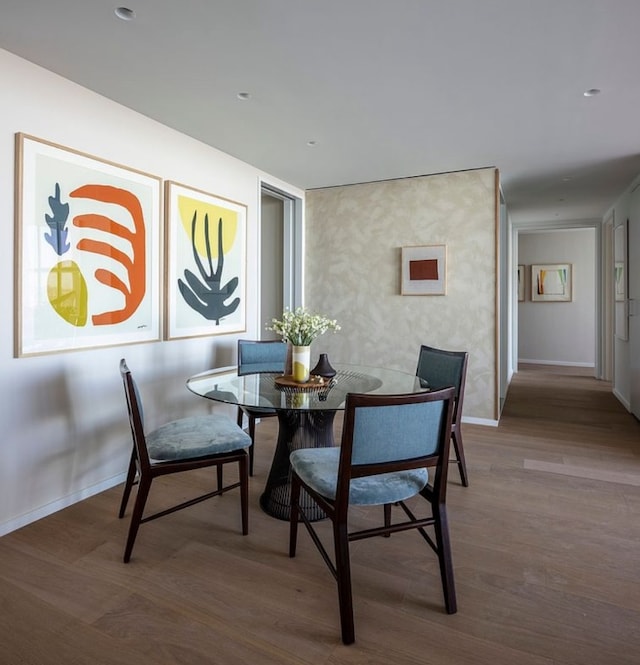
{"points": [[389, 442], [181, 445], [256, 356], [438, 368]]}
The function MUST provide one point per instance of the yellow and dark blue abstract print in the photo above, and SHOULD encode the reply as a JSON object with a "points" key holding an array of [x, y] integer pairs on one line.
{"points": [[212, 230]]}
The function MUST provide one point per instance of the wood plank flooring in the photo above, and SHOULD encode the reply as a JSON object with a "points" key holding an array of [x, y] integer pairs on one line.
{"points": [[546, 548]]}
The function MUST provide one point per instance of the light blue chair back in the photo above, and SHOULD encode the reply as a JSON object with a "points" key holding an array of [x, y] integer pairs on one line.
{"points": [[261, 356], [398, 432]]}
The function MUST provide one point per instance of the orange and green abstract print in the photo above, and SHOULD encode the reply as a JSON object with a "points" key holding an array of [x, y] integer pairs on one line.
{"points": [[89, 244], [551, 282]]}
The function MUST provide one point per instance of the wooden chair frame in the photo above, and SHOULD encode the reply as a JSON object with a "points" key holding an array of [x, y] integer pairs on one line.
{"points": [[142, 470], [337, 510], [461, 358]]}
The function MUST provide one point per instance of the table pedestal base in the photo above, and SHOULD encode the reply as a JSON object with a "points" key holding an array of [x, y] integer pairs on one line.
{"points": [[297, 429]]}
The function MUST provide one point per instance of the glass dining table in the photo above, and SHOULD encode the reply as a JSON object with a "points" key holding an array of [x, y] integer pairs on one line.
{"points": [[306, 413]]}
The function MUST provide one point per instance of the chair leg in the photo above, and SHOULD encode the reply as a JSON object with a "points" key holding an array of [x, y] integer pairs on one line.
{"points": [[252, 436], [243, 471], [387, 518], [441, 526], [219, 469], [138, 509], [131, 475], [456, 437], [343, 577], [294, 516]]}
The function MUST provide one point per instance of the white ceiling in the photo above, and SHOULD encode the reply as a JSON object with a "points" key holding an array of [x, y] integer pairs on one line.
{"points": [[386, 88]]}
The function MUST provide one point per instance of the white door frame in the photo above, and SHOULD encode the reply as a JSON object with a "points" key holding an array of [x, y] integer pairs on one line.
{"points": [[607, 299], [600, 301]]}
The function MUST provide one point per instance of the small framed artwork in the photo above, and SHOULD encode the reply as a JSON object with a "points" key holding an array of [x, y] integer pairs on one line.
{"points": [[620, 280], [551, 282], [206, 263], [424, 270], [88, 251], [521, 278]]}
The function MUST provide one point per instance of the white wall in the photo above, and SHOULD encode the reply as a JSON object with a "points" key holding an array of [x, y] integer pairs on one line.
{"points": [[559, 332], [64, 428]]}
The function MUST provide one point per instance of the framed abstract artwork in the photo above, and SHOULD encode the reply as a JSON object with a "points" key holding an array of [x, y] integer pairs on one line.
{"points": [[87, 251], [621, 319], [206, 263], [424, 270], [551, 282], [521, 285]]}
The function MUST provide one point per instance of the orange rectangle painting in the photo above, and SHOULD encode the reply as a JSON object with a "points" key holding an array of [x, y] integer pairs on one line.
{"points": [[423, 271]]}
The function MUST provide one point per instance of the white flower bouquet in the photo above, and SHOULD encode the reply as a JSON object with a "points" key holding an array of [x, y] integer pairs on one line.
{"points": [[301, 327]]}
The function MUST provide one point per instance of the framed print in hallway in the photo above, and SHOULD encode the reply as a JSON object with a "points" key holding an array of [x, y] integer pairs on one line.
{"points": [[424, 270], [521, 278], [206, 263], [551, 282], [87, 251]]}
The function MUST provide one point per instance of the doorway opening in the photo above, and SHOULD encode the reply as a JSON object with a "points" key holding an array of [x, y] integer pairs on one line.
{"points": [[281, 252], [559, 333]]}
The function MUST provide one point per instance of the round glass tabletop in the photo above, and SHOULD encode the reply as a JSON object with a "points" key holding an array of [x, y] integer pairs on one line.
{"points": [[262, 390]]}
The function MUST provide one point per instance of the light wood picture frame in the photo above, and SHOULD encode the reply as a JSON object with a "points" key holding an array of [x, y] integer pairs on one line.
{"points": [[552, 282], [88, 240], [205, 263], [424, 270]]}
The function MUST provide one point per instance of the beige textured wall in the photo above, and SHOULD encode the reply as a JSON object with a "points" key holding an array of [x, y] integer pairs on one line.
{"points": [[354, 236]]}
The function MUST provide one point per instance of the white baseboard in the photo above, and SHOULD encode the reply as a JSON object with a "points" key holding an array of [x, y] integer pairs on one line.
{"points": [[64, 502], [554, 362], [480, 421]]}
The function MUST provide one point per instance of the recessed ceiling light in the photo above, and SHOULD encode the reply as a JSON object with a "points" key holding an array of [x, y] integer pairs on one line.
{"points": [[244, 95], [125, 13], [592, 92]]}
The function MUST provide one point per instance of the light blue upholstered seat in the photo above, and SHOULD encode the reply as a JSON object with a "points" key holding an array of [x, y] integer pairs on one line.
{"points": [[391, 447], [318, 469], [181, 445], [196, 436]]}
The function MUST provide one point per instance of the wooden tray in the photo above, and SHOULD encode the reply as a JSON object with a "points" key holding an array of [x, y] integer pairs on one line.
{"points": [[314, 383]]}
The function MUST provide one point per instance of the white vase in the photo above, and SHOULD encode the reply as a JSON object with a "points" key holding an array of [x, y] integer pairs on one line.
{"points": [[301, 362]]}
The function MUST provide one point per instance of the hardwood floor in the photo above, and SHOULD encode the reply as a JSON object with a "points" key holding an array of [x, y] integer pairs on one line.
{"points": [[546, 548]]}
